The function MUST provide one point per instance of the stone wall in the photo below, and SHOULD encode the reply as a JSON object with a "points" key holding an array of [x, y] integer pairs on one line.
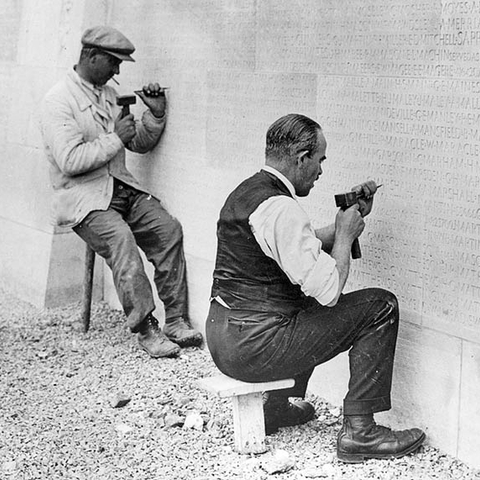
{"points": [[395, 86]]}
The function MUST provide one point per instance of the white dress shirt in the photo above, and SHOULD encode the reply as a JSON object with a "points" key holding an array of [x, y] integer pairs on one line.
{"points": [[285, 234]]}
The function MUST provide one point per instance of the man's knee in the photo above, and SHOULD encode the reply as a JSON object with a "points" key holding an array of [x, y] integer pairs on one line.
{"points": [[172, 232], [389, 298], [377, 294], [177, 229], [388, 311]]}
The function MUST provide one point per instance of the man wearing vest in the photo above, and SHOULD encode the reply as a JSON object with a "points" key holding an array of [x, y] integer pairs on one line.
{"points": [[277, 308], [85, 136]]}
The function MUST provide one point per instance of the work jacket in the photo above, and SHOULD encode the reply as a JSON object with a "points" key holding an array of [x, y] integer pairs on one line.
{"points": [[85, 154]]}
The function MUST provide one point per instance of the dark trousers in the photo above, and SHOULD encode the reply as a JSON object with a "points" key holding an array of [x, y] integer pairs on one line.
{"points": [[258, 346], [136, 219]]}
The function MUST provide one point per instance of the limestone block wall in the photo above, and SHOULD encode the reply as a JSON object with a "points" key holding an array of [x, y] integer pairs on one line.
{"points": [[395, 86], [39, 262]]}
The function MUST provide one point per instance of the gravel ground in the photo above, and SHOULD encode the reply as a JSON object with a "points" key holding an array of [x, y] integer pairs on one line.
{"points": [[58, 419]]}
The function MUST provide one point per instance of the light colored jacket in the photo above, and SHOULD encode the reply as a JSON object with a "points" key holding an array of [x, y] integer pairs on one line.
{"points": [[85, 155]]}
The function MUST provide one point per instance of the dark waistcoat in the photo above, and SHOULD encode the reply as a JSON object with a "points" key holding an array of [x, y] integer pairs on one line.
{"points": [[244, 276]]}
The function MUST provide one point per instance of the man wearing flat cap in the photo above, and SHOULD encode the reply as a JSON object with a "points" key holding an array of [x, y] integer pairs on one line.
{"points": [[85, 136]]}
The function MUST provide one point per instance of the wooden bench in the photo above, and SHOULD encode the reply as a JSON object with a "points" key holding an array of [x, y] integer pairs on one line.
{"points": [[247, 401]]}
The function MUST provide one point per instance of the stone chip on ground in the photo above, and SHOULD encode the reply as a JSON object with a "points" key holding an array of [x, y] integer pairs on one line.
{"points": [[173, 420], [280, 461], [119, 400], [193, 420], [123, 428]]}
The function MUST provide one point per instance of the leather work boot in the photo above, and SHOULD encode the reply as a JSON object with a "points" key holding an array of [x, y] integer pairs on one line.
{"points": [[180, 331], [279, 412], [153, 340], [361, 438]]}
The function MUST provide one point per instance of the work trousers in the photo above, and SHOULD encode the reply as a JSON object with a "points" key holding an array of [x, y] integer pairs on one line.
{"points": [[256, 346], [135, 219]]}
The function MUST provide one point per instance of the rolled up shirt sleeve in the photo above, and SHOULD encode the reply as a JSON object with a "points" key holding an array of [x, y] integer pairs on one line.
{"points": [[285, 234]]}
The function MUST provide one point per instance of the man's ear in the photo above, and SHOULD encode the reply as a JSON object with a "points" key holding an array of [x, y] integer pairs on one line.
{"points": [[301, 156], [94, 54]]}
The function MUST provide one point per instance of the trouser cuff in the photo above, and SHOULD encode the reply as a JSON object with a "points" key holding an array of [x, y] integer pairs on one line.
{"points": [[136, 318], [364, 407]]}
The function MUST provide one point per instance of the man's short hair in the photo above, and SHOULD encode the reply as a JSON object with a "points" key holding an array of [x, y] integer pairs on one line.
{"points": [[88, 52], [291, 134]]}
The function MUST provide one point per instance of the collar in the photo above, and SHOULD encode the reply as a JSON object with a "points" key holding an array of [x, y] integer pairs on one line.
{"points": [[86, 96], [281, 177], [79, 90], [89, 87]]}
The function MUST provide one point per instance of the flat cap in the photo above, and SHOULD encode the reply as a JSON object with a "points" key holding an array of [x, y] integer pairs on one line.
{"points": [[110, 41]]}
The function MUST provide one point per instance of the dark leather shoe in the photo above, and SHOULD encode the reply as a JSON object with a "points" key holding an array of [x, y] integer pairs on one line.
{"points": [[180, 331], [153, 341], [361, 438], [279, 412]]}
